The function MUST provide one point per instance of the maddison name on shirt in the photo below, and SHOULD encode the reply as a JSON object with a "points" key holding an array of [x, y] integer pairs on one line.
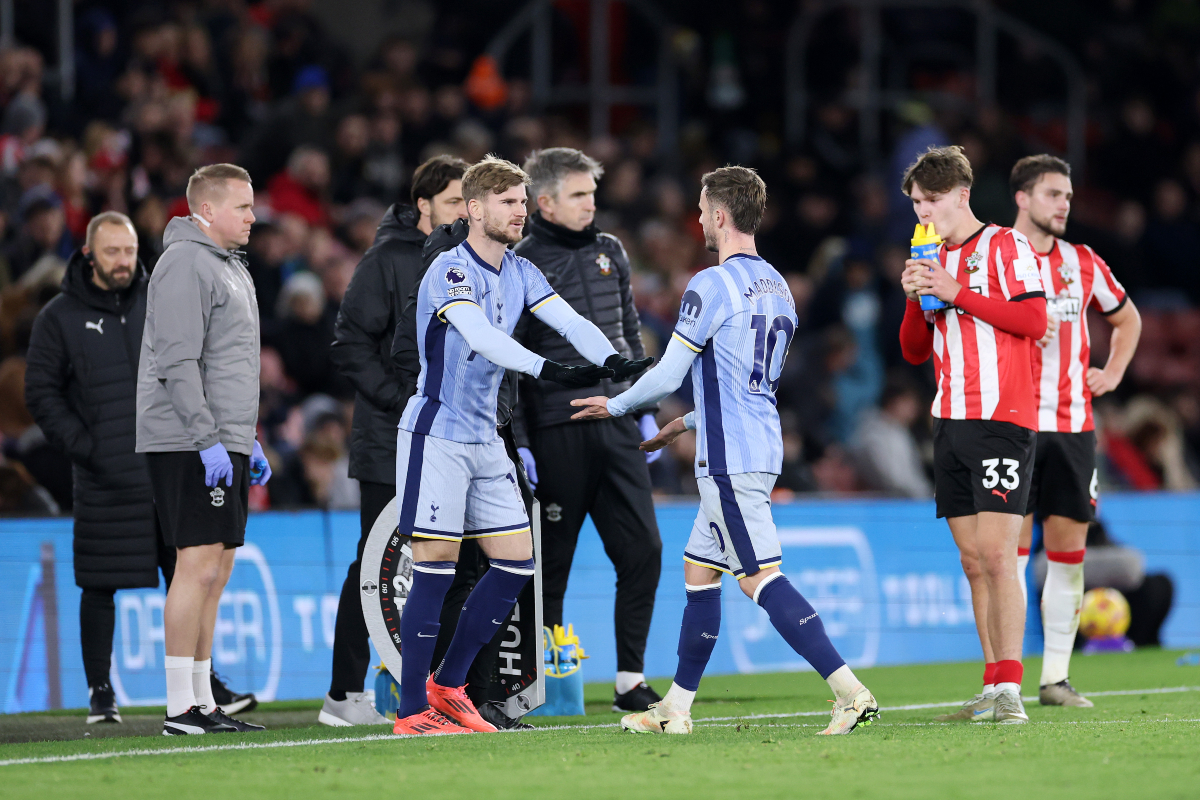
{"points": [[765, 286]]}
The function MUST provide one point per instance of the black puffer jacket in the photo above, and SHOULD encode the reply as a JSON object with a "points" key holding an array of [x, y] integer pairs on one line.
{"points": [[81, 387], [388, 273], [590, 270]]}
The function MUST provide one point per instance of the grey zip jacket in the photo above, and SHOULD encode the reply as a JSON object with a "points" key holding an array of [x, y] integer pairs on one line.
{"points": [[198, 372]]}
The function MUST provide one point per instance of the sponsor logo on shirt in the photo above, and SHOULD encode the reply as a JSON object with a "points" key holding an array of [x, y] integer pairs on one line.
{"points": [[459, 291], [1064, 306], [690, 308]]}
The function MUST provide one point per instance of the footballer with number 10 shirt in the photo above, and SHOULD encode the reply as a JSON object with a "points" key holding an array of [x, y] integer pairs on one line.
{"points": [[1064, 489], [985, 416]]}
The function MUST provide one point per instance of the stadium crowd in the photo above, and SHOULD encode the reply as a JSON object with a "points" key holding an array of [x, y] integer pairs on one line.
{"points": [[164, 88]]}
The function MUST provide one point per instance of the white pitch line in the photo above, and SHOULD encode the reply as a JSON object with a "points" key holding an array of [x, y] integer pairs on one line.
{"points": [[703, 721]]}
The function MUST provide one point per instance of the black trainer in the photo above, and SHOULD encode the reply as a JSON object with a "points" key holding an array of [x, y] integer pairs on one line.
{"points": [[193, 721], [103, 705], [638, 698], [230, 701], [221, 717], [493, 712]]}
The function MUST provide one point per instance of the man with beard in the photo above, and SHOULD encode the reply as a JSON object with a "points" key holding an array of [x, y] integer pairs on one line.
{"points": [[80, 386], [453, 476], [374, 302], [1064, 489], [587, 468]]}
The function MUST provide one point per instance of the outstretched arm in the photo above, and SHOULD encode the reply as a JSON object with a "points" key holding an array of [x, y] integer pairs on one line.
{"points": [[656, 384], [576, 329], [494, 345]]}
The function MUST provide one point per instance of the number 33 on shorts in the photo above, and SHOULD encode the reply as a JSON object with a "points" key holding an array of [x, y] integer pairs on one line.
{"points": [[1010, 481]]}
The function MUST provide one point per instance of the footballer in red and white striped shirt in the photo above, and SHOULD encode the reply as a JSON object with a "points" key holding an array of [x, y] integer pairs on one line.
{"points": [[985, 426], [1064, 486]]}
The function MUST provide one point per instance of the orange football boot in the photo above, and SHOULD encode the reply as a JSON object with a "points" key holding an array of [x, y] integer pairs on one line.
{"points": [[454, 703], [426, 723]]}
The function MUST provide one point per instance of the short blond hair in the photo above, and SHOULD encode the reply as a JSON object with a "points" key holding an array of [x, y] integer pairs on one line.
{"points": [[491, 175], [209, 183], [105, 218]]}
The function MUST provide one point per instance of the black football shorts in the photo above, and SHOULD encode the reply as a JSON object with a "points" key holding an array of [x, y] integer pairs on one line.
{"points": [[981, 465], [1064, 476], [191, 513]]}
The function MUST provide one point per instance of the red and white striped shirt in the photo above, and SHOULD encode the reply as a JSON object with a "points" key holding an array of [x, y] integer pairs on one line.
{"points": [[1074, 278], [984, 372]]}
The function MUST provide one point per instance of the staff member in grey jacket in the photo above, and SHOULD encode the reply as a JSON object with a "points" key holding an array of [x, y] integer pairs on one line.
{"points": [[197, 409]]}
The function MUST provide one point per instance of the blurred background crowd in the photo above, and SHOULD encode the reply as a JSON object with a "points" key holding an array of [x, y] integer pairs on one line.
{"points": [[331, 131]]}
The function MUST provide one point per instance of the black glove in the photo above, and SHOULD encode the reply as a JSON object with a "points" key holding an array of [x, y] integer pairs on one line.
{"points": [[574, 377], [624, 369]]}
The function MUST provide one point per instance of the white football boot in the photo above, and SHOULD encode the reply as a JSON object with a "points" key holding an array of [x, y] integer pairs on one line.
{"points": [[980, 708], [860, 708], [657, 719], [1009, 709]]}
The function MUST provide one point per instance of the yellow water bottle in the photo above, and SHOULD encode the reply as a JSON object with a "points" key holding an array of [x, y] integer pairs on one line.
{"points": [[925, 244]]}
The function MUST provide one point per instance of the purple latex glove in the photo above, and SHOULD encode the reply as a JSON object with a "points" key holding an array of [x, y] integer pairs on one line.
{"points": [[649, 427], [260, 468], [217, 465], [530, 467]]}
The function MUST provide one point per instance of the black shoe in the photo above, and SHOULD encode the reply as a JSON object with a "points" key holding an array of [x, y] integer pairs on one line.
{"points": [[229, 701], [638, 698], [193, 721], [103, 705], [493, 712], [221, 717]]}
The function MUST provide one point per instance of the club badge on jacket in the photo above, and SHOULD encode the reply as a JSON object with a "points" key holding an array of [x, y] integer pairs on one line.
{"points": [[605, 264]]}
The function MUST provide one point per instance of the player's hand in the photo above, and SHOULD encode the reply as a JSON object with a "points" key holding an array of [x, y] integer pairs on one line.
{"points": [[624, 369], [593, 408], [916, 277], [574, 377], [669, 433], [1100, 381], [938, 282], [1052, 325], [530, 466]]}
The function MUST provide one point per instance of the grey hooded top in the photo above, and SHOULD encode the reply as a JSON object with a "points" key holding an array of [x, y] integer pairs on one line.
{"points": [[198, 372]]}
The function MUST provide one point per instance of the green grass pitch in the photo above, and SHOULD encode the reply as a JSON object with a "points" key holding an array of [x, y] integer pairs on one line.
{"points": [[1133, 744]]}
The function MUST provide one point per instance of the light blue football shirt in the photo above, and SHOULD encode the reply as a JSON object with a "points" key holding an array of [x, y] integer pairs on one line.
{"points": [[457, 388], [740, 317]]}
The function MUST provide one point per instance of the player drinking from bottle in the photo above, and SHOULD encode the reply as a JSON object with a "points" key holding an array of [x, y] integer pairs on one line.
{"points": [[1063, 491], [738, 318], [985, 415]]}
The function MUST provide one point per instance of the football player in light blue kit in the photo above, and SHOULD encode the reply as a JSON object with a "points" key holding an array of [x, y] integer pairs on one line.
{"points": [[735, 324], [454, 479]]}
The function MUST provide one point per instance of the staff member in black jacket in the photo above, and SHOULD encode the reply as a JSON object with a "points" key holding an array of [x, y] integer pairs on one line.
{"points": [[588, 467], [366, 323]]}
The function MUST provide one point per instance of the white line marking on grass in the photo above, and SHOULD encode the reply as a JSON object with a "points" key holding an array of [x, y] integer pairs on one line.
{"points": [[731, 721]]}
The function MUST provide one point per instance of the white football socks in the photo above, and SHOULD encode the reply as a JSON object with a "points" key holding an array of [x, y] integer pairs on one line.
{"points": [[180, 694], [843, 682], [989, 689], [628, 681], [1061, 599], [679, 699], [1008, 687], [1022, 563], [202, 685]]}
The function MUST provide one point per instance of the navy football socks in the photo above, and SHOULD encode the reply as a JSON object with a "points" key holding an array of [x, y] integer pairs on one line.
{"points": [[486, 609], [419, 628], [798, 624], [698, 634]]}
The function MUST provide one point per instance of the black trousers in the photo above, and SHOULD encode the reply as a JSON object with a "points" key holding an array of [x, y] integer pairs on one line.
{"points": [[351, 642], [98, 618], [596, 468]]}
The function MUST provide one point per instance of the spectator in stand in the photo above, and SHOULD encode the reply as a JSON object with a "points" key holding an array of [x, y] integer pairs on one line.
{"points": [[303, 336], [301, 189], [35, 252], [304, 119], [25, 442], [885, 451]]}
